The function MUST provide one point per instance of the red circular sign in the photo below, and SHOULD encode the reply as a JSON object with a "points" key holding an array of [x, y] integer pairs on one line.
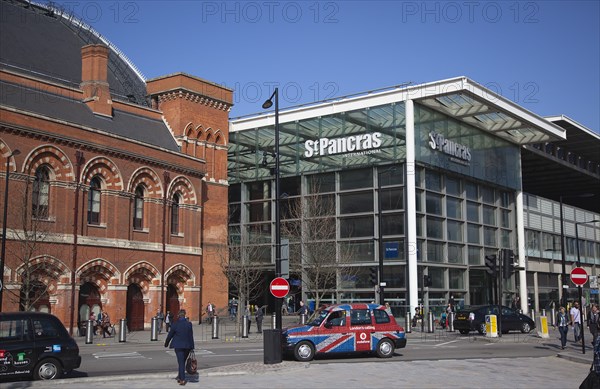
{"points": [[279, 287], [579, 276]]}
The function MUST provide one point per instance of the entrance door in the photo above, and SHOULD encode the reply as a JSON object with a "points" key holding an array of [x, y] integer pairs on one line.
{"points": [[135, 308], [172, 300]]}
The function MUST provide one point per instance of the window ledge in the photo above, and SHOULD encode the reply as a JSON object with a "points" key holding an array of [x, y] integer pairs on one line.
{"points": [[100, 225]]}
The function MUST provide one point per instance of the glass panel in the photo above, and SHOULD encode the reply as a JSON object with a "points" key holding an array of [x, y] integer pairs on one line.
{"points": [[419, 201], [393, 224], [392, 199], [259, 233], [355, 179], [391, 175], [456, 278], [454, 229], [434, 203], [505, 215], [435, 251], [235, 193], [435, 228], [471, 189], [489, 215], [504, 238], [259, 190], [437, 277], [472, 233], [453, 186], [356, 226], [394, 277], [487, 195], [289, 186], [259, 212], [433, 181], [175, 215], [472, 212], [356, 202], [359, 251], [420, 225], [321, 183], [474, 255], [505, 199], [453, 208], [489, 236]]}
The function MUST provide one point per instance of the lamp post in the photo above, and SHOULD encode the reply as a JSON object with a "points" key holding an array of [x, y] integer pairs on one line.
{"points": [[580, 287], [266, 105], [15, 152]]}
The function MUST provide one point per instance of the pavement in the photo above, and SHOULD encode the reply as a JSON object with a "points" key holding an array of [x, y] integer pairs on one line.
{"points": [[566, 368]]}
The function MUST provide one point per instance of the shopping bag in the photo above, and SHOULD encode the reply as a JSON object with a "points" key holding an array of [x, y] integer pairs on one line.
{"points": [[191, 364]]}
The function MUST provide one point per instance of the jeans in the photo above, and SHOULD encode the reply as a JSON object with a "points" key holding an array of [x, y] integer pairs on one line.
{"points": [[182, 354], [563, 335], [576, 331]]}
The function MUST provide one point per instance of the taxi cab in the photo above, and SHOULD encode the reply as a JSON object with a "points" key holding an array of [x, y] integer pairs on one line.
{"points": [[345, 328]]}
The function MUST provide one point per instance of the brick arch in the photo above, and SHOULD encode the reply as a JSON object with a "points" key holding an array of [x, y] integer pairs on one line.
{"points": [[180, 275], [142, 273], [5, 151], [189, 131], [61, 168], [208, 135], [97, 271], [105, 168], [47, 269], [149, 178], [199, 133], [184, 187], [220, 138]]}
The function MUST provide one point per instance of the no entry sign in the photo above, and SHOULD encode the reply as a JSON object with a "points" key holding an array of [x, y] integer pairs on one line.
{"points": [[579, 276], [279, 287]]}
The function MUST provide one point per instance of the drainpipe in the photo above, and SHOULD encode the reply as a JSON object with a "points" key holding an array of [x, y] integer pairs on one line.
{"points": [[201, 273], [78, 162], [167, 180]]}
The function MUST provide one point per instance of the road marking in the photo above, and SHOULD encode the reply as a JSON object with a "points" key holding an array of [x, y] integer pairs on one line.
{"points": [[452, 341], [104, 355]]}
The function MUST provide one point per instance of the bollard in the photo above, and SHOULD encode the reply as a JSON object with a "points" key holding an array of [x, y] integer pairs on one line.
{"points": [[273, 320], [430, 322], [154, 330], [491, 326], [244, 326], [553, 318], [89, 332], [451, 321], [123, 331], [303, 318], [544, 312], [533, 315], [215, 327], [407, 323]]}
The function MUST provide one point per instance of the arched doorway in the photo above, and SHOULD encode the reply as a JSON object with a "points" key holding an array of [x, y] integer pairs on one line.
{"points": [[35, 297], [135, 308], [89, 301], [172, 300]]}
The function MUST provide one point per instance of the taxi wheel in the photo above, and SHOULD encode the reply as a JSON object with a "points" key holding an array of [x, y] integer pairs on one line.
{"points": [[482, 330], [48, 369], [304, 351], [525, 328], [385, 349]]}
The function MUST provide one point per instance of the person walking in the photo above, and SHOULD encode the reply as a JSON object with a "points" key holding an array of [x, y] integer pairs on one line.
{"points": [[181, 338], [259, 315], [576, 320], [562, 321], [160, 318], [247, 316], [105, 324], [210, 311], [93, 322], [168, 321], [593, 322]]}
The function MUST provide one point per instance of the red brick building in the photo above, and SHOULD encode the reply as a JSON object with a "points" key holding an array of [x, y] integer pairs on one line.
{"points": [[117, 185]]}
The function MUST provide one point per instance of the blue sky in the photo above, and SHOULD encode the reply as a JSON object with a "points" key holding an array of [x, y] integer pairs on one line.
{"points": [[543, 55]]}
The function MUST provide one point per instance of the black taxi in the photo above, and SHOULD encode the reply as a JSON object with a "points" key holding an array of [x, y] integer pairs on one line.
{"points": [[35, 344]]}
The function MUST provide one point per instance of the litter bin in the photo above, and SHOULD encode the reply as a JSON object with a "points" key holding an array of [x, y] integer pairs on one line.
{"points": [[272, 346]]}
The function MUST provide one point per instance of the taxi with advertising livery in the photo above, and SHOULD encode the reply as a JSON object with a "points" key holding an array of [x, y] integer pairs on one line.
{"points": [[35, 344], [345, 328]]}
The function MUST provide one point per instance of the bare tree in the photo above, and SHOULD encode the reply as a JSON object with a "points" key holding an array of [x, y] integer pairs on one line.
{"points": [[316, 258], [33, 243]]}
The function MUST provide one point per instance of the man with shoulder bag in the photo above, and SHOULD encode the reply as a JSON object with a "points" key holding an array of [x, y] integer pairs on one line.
{"points": [[593, 322], [181, 338]]}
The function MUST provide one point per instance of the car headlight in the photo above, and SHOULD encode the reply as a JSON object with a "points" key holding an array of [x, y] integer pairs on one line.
{"points": [[471, 316]]}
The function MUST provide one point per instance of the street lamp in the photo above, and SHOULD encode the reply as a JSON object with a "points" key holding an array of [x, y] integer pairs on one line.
{"points": [[580, 287], [266, 105], [15, 152]]}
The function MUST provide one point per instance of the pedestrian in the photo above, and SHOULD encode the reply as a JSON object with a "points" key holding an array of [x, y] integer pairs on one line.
{"points": [[576, 320], [181, 338], [160, 318], [210, 311], [593, 322], [303, 310], [93, 322], [388, 309], [451, 303], [168, 321], [562, 321], [247, 316], [416, 317], [105, 324], [592, 381], [259, 319]]}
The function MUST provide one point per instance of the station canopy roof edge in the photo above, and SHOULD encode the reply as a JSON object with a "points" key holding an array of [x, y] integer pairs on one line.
{"points": [[459, 98]]}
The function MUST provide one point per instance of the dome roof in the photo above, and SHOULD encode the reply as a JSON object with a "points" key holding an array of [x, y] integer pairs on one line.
{"points": [[45, 42]]}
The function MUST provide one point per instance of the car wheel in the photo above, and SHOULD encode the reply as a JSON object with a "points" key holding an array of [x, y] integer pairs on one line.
{"points": [[385, 348], [48, 369], [304, 351], [525, 328], [464, 332], [482, 329]]}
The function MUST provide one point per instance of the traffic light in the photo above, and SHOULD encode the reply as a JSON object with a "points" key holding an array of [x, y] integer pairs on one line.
{"points": [[490, 263], [508, 263], [427, 280], [373, 276]]}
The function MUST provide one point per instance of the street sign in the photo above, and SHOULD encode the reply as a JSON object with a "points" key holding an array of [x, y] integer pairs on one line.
{"points": [[579, 276], [279, 287]]}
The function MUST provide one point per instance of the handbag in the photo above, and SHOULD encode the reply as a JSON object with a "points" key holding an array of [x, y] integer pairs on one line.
{"points": [[191, 364]]}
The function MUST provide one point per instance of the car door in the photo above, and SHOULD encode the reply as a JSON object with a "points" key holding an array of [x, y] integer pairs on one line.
{"points": [[338, 338], [510, 320], [17, 351], [362, 329]]}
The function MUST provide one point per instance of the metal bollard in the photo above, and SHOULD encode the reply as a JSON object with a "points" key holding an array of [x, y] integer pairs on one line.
{"points": [[303, 318], [89, 332], [553, 319], [215, 327], [407, 323], [451, 322], [154, 330], [544, 312], [430, 322], [273, 320], [532, 315], [123, 330], [244, 326]]}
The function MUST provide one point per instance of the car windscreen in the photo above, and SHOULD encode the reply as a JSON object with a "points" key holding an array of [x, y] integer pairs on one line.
{"points": [[317, 318]]}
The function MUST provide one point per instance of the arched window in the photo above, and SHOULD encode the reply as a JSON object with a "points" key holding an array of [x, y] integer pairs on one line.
{"points": [[175, 215], [138, 208], [41, 193], [94, 201]]}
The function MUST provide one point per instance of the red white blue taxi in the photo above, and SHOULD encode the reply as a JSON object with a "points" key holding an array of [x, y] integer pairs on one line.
{"points": [[345, 328]]}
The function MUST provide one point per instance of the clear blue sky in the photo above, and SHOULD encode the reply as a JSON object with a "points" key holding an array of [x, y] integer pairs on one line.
{"points": [[543, 55]]}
